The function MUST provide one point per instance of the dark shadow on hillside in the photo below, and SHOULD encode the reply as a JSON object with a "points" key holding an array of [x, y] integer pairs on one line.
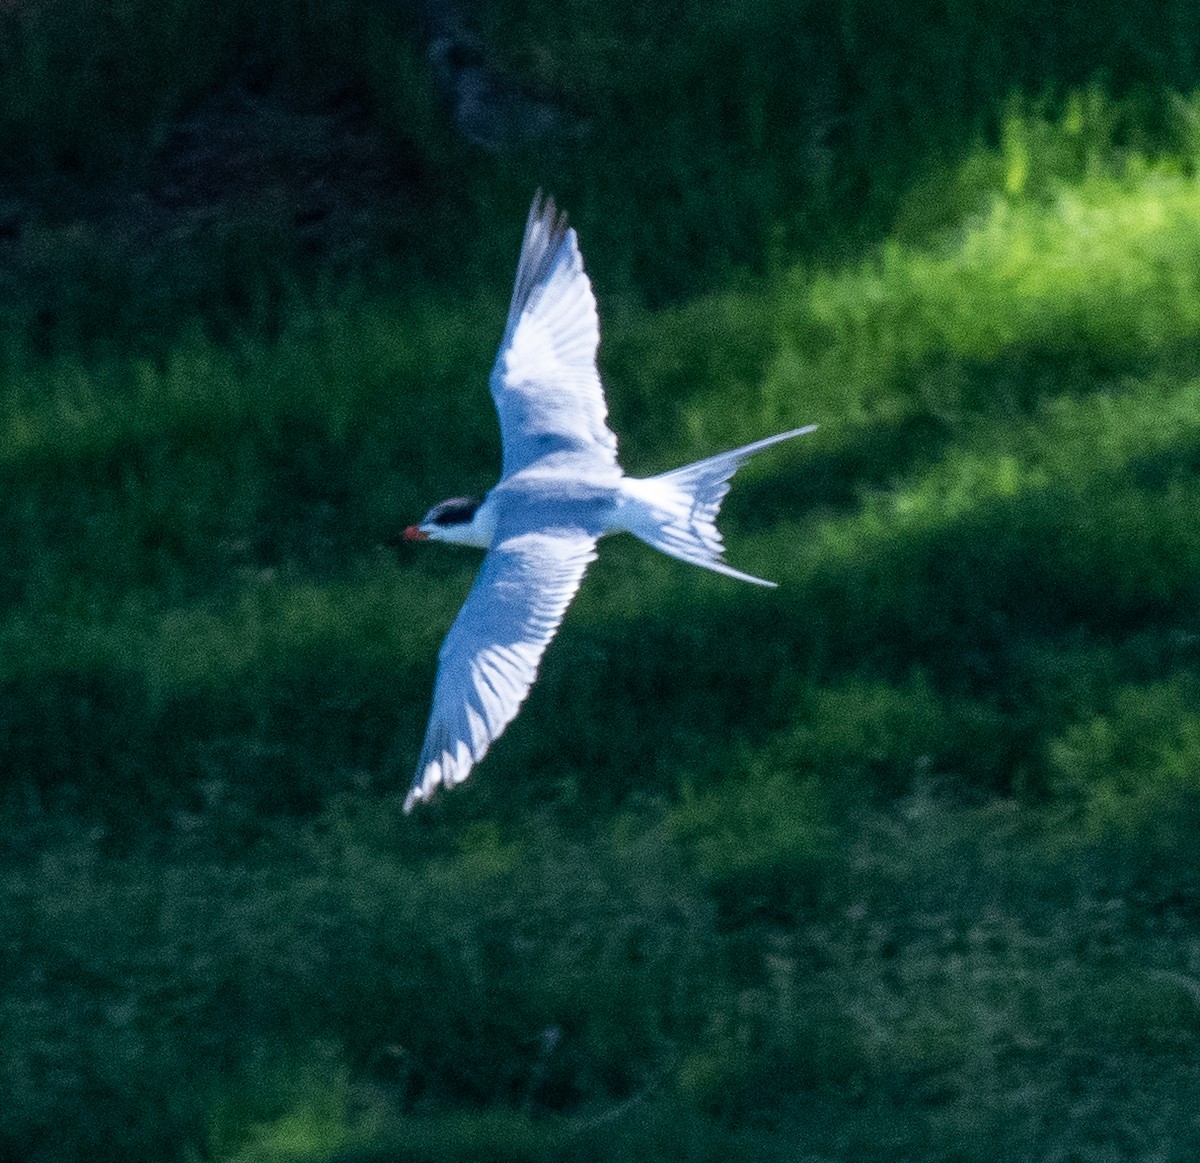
{"points": [[99, 741], [262, 186], [762, 133]]}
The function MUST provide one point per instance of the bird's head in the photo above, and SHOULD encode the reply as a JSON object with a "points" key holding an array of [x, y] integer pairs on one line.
{"points": [[457, 520]]}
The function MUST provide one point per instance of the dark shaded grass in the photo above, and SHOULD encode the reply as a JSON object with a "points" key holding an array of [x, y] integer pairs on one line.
{"points": [[1041, 982]]}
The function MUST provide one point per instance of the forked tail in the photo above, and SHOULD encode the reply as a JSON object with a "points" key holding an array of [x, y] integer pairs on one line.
{"points": [[681, 506]]}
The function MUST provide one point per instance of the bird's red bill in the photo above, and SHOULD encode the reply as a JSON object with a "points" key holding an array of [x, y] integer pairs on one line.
{"points": [[414, 533]]}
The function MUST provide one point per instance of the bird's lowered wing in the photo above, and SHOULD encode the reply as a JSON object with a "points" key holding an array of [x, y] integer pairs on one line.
{"points": [[544, 381], [490, 657]]}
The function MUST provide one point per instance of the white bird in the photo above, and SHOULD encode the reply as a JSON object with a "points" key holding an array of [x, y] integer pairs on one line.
{"points": [[560, 490]]}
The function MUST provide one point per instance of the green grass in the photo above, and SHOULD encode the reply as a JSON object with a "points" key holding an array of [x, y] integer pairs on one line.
{"points": [[714, 140], [135, 65], [896, 861]]}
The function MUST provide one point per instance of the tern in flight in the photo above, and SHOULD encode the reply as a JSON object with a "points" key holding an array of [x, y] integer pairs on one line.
{"points": [[560, 490]]}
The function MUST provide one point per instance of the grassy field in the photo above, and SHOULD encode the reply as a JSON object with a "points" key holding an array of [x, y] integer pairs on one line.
{"points": [[897, 861]]}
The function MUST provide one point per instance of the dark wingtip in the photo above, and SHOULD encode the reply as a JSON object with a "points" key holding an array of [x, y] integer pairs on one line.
{"points": [[544, 208], [535, 266]]}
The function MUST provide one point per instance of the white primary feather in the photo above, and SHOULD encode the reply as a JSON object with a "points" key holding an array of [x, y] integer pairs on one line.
{"points": [[490, 657], [544, 381]]}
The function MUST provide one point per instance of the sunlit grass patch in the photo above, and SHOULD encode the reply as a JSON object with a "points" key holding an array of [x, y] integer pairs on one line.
{"points": [[758, 827], [1105, 271], [280, 1109], [1131, 775]]}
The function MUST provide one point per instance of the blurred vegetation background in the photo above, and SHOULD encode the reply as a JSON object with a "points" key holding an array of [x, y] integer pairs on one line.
{"points": [[898, 861]]}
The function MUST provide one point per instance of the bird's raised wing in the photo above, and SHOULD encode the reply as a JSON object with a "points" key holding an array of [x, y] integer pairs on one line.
{"points": [[544, 381], [490, 657]]}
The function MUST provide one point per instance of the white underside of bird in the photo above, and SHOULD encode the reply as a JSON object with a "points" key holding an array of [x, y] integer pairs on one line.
{"points": [[560, 490]]}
